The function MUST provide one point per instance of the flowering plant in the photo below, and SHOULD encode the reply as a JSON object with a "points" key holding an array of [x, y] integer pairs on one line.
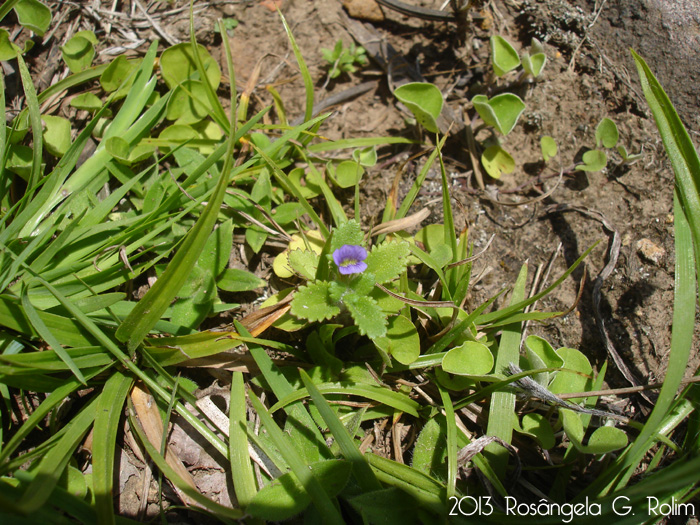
{"points": [[346, 280]]}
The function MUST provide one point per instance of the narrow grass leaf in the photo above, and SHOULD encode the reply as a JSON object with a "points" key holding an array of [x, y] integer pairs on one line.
{"points": [[451, 440], [299, 467], [48, 336], [110, 407], [502, 407], [241, 469], [361, 469], [54, 462]]}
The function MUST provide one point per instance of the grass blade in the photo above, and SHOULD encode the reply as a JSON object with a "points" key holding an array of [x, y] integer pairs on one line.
{"points": [[299, 467], [241, 469], [361, 469], [109, 410]]}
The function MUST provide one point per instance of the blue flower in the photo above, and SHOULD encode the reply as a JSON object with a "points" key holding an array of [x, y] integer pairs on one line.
{"points": [[349, 259]]}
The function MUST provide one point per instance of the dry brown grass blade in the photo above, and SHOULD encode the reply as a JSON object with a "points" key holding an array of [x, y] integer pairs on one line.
{"points": [[149, 417], [401, 224]]}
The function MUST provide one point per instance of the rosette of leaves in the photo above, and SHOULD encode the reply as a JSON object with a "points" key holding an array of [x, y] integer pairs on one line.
{"points": [[322, 299]]}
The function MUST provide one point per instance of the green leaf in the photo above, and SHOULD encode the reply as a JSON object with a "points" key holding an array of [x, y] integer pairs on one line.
{"points": [[429, 451], [537, 426], [348, 233], [593, 160], [540, 354], [87, 101], [79, 51], [20, 160], [470, 359], [33, 15], [110, 408], [606, 133], [285, 497], [313, 302], [177, 65], [497, 161], [348, 173], [8, 50], [366, 156], [388, 260], [367, 315], [57, 138], [534, 62], [504, 57], [390, 505], [119, 75], [304, 263], [606, 439], [118, 148], [401, 340], [425, 102], [502, 111], [576, 373], [548, 147], [239, 457], [235, 280]]}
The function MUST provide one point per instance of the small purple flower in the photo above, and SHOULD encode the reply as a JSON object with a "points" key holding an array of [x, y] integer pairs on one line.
{"points": [[349, 259]]}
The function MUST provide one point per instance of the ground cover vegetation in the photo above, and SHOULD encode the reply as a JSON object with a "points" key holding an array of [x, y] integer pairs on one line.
{"points": [[112, 268]]}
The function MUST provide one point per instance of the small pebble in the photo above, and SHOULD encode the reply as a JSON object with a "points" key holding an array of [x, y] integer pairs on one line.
{"points": [[364, 10], [650, 251]]}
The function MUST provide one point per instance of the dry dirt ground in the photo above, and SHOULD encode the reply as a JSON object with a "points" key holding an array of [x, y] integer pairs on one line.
{"points": [[590, 75]]}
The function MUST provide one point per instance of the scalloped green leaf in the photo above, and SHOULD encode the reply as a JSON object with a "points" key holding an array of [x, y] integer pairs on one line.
{"points": [[497, 161], [313, 302], [504, 57], [388, 260], [593, 160], [502, 111], [401, 340], [470, 359], [424, 100], [367, 315], [347, 233]]}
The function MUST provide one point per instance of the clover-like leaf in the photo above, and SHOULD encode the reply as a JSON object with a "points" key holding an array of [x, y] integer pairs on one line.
{"points": [[576, 373], [497, 161], [368, 317], [119, 75], [348, 233], [603, 440], [424, 100], [388, 260], [313, 302], [502, 111], [504, 57], [348, 173], [593, 160]]}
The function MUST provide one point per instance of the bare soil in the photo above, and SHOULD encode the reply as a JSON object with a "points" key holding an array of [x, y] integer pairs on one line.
{"points": [[590, 75]]}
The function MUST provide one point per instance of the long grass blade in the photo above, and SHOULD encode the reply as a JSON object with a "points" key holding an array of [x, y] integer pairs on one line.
{"points": [[241, 469]]}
